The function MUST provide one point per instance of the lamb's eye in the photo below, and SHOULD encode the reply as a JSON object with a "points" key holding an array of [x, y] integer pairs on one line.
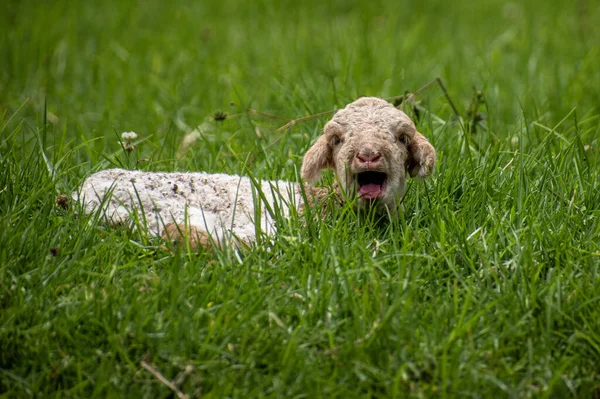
{"points": [[403, 139], [335, 140]]}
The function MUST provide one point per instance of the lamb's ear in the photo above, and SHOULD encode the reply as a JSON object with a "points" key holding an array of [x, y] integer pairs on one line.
{"points": [[320, 155], [421, 156]]}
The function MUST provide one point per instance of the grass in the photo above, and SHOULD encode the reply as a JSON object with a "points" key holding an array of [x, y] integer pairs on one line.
{"points": [[488, 285]]}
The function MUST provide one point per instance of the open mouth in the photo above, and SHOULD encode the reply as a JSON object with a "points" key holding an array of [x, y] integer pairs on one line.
{"points": [[371, 184]]}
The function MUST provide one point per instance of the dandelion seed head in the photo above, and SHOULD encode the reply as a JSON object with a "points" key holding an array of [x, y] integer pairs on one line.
{"points": [[129, 136]]}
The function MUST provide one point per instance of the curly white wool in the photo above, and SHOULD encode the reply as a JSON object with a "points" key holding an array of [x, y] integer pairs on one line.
{"points": [[218, 203]]}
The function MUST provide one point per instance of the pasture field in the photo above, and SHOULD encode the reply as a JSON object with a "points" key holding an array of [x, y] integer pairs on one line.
{"points": [[487, 285]]}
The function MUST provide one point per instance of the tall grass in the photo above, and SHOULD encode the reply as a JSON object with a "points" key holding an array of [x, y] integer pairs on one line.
{"points": [[486, 285]]}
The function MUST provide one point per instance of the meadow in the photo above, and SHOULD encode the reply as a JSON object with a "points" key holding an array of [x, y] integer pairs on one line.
{"points": [[487, 285]]}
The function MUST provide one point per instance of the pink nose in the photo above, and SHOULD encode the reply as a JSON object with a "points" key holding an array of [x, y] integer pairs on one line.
{"points": [[368, 156]]}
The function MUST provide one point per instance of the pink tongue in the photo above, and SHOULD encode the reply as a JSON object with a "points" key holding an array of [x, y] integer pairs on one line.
{"points": [[369, 190]]}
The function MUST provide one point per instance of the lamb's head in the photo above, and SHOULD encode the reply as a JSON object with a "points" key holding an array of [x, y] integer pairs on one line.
{"points": [[371, 145]]}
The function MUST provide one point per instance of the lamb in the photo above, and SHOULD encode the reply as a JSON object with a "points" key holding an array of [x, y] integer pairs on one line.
{"points": [[370, 145]]}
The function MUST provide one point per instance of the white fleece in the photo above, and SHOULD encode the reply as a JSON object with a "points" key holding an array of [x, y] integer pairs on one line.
{"points": [[218, 203]]}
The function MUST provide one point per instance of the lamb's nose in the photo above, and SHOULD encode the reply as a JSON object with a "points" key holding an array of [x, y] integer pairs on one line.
{"points": [[368, 156]]}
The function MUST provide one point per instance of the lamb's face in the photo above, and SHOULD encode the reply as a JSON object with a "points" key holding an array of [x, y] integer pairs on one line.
{"points": [[368, 144], [369, 161]]}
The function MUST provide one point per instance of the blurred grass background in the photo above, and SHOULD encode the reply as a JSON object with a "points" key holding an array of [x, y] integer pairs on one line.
{"points": [[103, 66]]}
